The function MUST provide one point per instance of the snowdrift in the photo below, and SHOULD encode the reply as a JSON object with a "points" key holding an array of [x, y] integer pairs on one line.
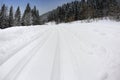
{"points": [[73, 51]]}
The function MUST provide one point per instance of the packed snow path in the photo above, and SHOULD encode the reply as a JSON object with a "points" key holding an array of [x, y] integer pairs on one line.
{"points": [[75, 51]]}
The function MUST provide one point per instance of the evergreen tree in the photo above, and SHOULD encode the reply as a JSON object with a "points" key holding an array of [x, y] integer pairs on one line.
{"points": [[4, 17], [76, 4], [38, 17], [27, 16], [83, 10], [11, 20], [114, 10], [17, 20], [35, 15]]}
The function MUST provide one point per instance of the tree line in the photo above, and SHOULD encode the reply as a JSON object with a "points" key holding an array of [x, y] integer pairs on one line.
{"points": [[75, 10], [9, 19], [81, 10]]}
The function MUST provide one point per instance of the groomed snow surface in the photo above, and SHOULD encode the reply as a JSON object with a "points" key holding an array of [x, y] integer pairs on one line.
{"points": [[72, 51]]}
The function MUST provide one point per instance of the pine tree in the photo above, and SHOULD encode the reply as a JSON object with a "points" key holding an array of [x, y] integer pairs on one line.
{"points": [[82, 10], [76, 9], [11, 20], [114, 10], [4, 17], [38, 17], [35, 15], [27, 16], [17, 20]]}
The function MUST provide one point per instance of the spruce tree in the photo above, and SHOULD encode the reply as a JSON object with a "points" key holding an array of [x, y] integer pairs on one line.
{"points": [[4, 17], [38, 17], [17, 20], [11, 20], [35, 15], [114, 10], [27, 16]]}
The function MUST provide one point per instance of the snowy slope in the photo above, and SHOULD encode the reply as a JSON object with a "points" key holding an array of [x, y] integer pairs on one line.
{"points": [[74, 51]]}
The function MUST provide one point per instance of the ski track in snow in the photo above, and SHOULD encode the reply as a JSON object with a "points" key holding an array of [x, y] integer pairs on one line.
{"points": [[75, 51]]}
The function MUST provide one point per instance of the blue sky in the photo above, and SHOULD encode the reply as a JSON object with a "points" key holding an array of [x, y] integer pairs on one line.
{"points": [[42, 5]]}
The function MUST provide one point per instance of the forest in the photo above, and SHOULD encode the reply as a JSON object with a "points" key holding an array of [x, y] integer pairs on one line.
{"points": [[68, 12], [9, 19], [81, 10]]}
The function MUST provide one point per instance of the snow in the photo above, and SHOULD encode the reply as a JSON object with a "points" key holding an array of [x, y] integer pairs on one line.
{"points": [[71, 51]]}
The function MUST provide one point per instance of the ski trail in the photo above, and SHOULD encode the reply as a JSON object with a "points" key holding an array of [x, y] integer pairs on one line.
{"points": [[76, 51], [55, 75], [66, 69], [42, 71], [5, 58], [79, 61], [12, 75], [74, 61]]}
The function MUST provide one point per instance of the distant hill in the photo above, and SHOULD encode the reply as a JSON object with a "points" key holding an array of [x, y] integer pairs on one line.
{"points": [[44, 17]]}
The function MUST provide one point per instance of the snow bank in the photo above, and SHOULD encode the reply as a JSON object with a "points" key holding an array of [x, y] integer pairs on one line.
{"points": [[75, 51]]}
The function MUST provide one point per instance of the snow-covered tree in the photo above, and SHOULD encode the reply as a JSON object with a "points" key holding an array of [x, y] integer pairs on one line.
{"points": [[35, 15], [4, 17], [27, 18], [17, 20], [11, 19]]}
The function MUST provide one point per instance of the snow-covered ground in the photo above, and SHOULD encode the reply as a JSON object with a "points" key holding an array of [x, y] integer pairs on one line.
{"points": [[74, 51]]}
